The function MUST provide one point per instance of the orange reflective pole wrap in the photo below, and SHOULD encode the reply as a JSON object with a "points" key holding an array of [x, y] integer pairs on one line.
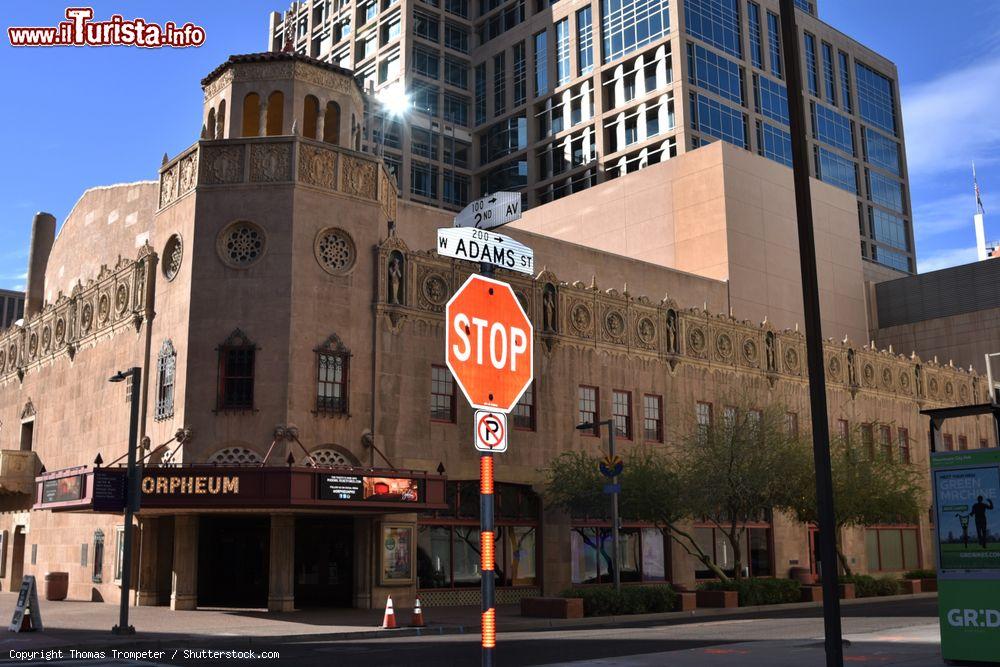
{"points": [[487, 552], [490, 628]]}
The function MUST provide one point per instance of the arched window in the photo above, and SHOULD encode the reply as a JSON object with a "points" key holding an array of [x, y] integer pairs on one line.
{"points": [[275, 113], [332, 368], [166, 365], [235, 456], [331, 123], [251, 115], [311, 113], [210, 125], [237, 356], [220, 121], [330, 456]]}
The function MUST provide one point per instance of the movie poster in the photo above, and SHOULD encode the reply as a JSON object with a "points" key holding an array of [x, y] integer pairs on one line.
{"points": [[968, 510], [397, 554]]}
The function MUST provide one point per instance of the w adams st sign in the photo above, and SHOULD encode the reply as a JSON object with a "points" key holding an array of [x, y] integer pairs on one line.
{"points": [[478, 245]]}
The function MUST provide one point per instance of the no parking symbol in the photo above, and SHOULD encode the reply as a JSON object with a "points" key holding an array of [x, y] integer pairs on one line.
{"points": [[491, 431]]}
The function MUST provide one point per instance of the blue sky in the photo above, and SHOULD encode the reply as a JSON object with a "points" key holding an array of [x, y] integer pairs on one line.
{"points": [[76, 118]]}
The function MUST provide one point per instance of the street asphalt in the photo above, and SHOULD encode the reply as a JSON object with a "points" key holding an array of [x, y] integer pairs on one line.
{"points": [[897, 632]]}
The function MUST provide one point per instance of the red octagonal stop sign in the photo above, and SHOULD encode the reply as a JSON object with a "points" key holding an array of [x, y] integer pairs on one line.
{"points": [[489, 343]]}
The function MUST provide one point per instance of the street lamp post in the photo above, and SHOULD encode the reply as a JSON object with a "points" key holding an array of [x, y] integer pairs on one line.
{"points": [[131, 498], [616, 558]]}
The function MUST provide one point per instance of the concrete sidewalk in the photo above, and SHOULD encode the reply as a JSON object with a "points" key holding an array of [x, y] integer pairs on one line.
{"points": [[75, 624]]}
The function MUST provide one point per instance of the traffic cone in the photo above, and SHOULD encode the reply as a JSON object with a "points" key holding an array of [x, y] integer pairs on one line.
{"points": [[389, 619], [418, 616]]}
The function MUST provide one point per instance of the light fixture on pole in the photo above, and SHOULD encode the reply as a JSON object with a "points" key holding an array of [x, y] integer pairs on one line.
{"points": [[616, 559], [131, 497]]}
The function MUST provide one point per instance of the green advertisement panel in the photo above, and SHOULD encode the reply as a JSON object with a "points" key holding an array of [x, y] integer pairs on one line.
{"points": [[967, 507]]}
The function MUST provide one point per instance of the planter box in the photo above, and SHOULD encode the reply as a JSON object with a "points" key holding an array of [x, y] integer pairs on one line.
{"points": [[910, 586], [812, 593], [847, 591], [552, 607], [717, 599], [928, 585], [686, 601]]}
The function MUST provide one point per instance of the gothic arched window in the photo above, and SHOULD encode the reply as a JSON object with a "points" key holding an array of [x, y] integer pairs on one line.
{"points": [[332, 368], [166, 368]]}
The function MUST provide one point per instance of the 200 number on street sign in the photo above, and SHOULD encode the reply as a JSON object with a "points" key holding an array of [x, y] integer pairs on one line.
{"points": [[491, 431], [489, 344]]}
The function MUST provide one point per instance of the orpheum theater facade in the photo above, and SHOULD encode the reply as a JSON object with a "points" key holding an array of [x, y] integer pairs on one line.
{"points": [[303, 442]]}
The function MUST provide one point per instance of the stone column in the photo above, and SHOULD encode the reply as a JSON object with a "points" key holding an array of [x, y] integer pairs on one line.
{"points": [[555, 567], [281, 565], [147, 592], [320, 124], [184, 586], [363, 570]]}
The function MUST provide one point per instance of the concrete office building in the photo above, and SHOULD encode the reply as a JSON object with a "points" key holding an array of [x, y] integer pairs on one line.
{"points": [[286, 310], [11, 307], [553, 98]]}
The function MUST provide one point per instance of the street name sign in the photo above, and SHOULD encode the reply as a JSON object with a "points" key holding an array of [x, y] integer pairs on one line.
{"points": [[478, 245], [491, 211], [489, 344], [491, 431]]}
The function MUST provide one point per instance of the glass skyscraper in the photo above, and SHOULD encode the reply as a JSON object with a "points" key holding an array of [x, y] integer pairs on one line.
{"points": [[550, 98]]}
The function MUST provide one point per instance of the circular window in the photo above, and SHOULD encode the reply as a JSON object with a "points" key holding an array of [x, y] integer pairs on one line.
{"points": [[241, 244], [335, 250], [173, 254]]}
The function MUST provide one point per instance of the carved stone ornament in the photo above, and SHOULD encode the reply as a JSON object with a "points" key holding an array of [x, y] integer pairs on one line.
{"points": [[724, 346], [949, 389], [3, 359], [886, 378], [46, 339], [33, 345], [189, 173], [121, 299], [904, 380], [435, 290], [932, 386], [359, 177], [271, 162], [696, 340], [167, 186], [646, 330], [103, 308], [868, 372], [222, 164], [334, 250], [241, 244], [750, 351], [60, 332], [614, 324], [86, 317], [791, 360], [963, 393], [173, 257], [12, 358], [317, 166], [835, 368], [581, 318]]}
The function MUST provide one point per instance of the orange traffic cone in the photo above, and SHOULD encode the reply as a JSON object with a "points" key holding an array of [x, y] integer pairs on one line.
{"points": [[418, 616], [389, 619]]}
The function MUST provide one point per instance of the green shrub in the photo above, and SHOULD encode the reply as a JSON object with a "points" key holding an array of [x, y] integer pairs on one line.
{"points": [[604, 601], [754, 592], [921, 574], [866, 586]]}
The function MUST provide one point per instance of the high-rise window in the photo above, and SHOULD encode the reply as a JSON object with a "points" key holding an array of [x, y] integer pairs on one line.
{"points": [[584, 41], [885, 441], [500, 83], [427, 26], [456, 37], [524, 410], [845, 82], [652, 418], [806, 6], [812, 76], [832, 128], [424, 143], [426, 62], [774, 143], [885, 191], [457, 7], [771, 98], [828, 81], [888, 228], [836, 170], [456, 188], [621, 411], [425, 99], [541, 63], [756, 45], [423, 180], [903, 437], [716, 22], [520, 75], [456, 109], [868, 440], [456, 72], [331, 379], [876, 99], [881, 151], [442, 394], [715, 73], [628, 25], [236, 373], [166, 368], [774, 44], [891, 258], [719, 120], [562, 52], [588, 408], [480, 93]]}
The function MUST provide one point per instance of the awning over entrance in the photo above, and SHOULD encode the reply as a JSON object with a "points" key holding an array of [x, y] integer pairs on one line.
{"points": [[206, 486]]}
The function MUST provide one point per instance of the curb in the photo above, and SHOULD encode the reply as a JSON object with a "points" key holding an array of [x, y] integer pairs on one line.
{"points": [[517, 624]]}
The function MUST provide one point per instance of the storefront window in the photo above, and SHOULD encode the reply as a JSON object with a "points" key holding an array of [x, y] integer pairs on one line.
{"points": [[466, 563], [755, 550], [891, 549], [433, 557], [653, 560], [643, 554]]}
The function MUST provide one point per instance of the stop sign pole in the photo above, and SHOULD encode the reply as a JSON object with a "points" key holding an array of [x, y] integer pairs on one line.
{"points": [[491, 379]]}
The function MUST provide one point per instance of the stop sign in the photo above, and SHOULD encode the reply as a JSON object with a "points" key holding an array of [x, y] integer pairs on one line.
{"points": [[489, 343]]}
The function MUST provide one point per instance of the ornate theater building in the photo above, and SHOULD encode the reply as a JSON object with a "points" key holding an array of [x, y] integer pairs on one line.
{"points": [[303, 442]]}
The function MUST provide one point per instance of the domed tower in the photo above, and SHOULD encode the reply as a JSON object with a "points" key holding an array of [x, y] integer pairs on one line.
{"points": [[273, 94]]}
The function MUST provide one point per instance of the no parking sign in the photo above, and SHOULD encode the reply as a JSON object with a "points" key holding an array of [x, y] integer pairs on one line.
{"points": [[491, 431]]}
